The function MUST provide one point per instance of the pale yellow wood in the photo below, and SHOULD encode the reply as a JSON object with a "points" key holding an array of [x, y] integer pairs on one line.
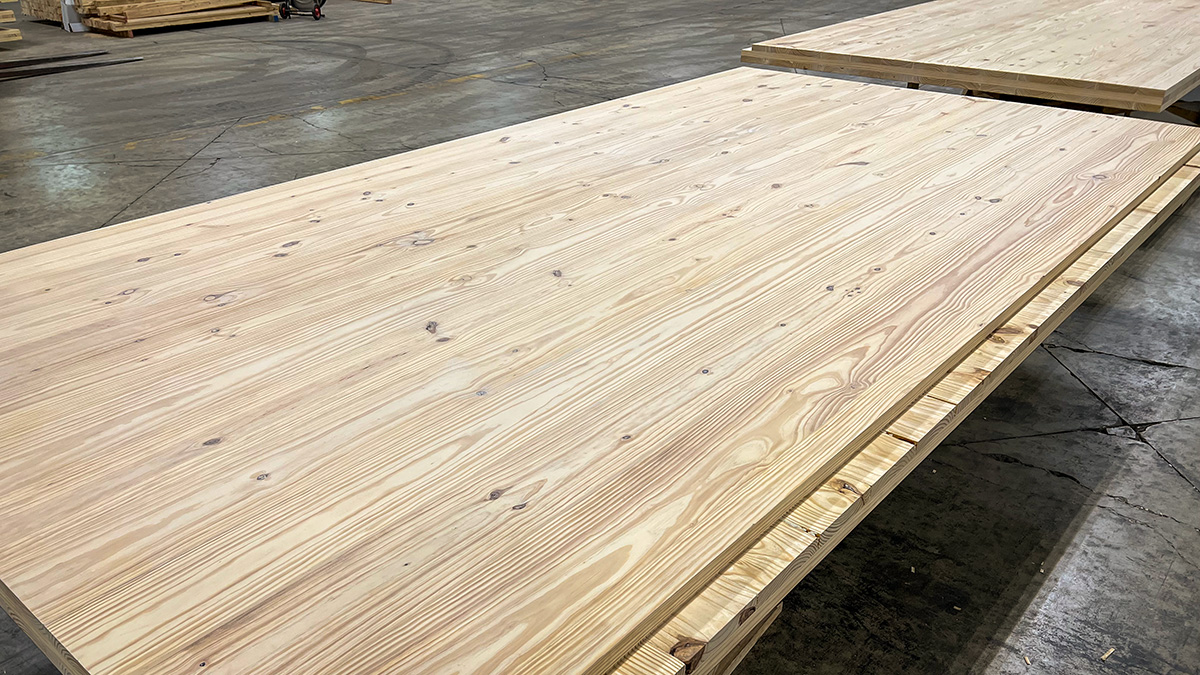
{"points": [[717, 617], [165, 7], [654, 661], [506, 404], [1140, 55], [260, 9], [7, 16], [59, 656], [729, 664], [10, 34], [47, 10]]}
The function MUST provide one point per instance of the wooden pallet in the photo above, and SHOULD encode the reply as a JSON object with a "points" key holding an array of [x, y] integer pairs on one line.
{"points": [[508, 403], [1140, 55], [130, 19], [718, 627]]}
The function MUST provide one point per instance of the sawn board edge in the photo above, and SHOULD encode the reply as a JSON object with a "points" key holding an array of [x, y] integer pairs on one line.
{"points": [[1084, 92]]}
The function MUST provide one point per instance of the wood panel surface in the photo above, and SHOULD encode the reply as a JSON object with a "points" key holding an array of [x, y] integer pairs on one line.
{"points": [[121, 23], [143, 10], [726, 614], [507, 403], [1131, 55]]}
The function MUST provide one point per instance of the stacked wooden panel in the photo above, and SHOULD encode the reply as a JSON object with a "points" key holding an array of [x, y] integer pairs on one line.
{"points": [[8, 34], [1140, 55], [46, 10], [509, 403], [122, 17], [711, 634]]}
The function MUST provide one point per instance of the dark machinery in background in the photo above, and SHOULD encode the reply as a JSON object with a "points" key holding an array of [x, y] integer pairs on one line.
{"points": [[289, 8]]}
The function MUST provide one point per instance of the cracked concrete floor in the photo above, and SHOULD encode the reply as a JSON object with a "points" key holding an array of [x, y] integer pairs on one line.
{"points": [[1059, 521]]}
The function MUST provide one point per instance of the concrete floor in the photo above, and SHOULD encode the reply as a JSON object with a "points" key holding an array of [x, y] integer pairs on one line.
{"points": [[1062, 519]]}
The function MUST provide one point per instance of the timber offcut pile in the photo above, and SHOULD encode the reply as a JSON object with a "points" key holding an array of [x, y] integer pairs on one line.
{"points": [[528, 401], [122, 17]]}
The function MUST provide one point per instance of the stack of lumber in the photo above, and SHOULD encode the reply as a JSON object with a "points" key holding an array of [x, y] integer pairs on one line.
{"points": [[1115, 54], [8, 34], [122, 17], [46, 10], [729, 615], [512, 403]]}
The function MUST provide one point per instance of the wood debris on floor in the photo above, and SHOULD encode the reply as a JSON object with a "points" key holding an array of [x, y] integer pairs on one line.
{"points": [[122, 17]]}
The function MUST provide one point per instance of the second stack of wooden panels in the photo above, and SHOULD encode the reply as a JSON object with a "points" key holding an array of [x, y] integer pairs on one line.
{"points": [[1140, 55]]}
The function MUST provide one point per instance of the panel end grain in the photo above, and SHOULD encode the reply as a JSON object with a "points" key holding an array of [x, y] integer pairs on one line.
{"points": [[38, 634]]}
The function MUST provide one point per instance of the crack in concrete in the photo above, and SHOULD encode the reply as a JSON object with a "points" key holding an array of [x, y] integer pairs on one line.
{"points": [[1153, 529], [1136, 359], [1142, 426], [1139, 507], [260, 147], [1009, 459], [359, 145], [197, 173], [553, 92], [1041, 494], [1140, 438], [1169, 463], [545, 79], [1174, 548], [1099, 430], [171, 172]]}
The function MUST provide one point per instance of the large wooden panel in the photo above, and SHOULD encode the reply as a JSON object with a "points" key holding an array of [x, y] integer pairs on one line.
{"points": [[728, 613], [1140, 55], [505, 404]]}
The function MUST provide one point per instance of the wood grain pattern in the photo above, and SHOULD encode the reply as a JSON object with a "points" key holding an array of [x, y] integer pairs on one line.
{"points": [[724, 617], [119, 24], [141, 10], [729, 664], [505, 404], [1140, 55]]}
